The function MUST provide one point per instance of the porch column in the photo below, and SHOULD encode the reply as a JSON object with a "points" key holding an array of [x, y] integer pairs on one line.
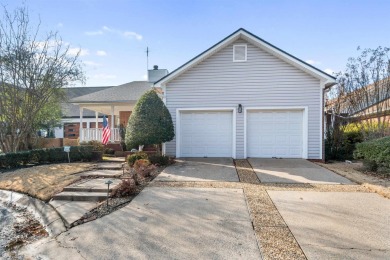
{"points": [[97, 125], [112, 124], [81, 125]]}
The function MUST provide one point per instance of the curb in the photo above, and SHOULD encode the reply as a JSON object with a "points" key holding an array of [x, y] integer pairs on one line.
{"points": [[45, 213]]}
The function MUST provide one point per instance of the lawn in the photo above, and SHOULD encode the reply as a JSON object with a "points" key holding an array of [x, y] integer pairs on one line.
{"points": [[42, 181]]}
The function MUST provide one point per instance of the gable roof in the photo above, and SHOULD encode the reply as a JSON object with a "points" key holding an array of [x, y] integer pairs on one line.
{"points": [[129, 92], [71, 110], [257, 41]]}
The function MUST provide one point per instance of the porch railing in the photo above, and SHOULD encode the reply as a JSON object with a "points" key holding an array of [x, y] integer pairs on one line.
{"points": [[95, 134]]}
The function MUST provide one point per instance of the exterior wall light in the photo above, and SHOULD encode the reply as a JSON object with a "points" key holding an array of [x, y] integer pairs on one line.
{"points": [[239, 108]]}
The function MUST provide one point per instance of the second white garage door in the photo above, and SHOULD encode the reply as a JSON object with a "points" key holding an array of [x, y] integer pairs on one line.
{"points": [[275, 134], [206, 134]]}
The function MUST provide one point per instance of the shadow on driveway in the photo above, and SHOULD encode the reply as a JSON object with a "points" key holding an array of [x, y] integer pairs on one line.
{"points": [[294, 171], [200, 169]]}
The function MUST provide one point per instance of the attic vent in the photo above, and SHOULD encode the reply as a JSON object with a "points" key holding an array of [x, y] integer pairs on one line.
{"points": [[239, 53]]}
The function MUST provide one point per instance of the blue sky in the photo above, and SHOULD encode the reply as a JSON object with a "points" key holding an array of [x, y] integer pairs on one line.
{"points": [[113, 35]]}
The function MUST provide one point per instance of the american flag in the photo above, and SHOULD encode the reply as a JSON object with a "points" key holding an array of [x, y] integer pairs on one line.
{"points": [[106, 131]]}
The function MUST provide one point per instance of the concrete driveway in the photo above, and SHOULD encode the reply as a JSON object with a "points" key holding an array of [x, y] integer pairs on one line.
{"points": [[163, 223], [337, 225], [294, 171], [200, 169]]}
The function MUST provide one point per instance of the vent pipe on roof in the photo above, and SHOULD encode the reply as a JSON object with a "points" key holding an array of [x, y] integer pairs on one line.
{"points": [[155, 67]]}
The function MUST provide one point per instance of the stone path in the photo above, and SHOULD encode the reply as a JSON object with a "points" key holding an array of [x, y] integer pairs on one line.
{"points": [[79, 198]]}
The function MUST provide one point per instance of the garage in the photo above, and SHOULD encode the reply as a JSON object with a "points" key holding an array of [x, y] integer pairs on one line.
{"points": [[205, 134], [275, 133]]}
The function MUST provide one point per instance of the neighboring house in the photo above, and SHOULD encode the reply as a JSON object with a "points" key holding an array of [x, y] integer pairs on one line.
{"points": [[244, 97], [371, 102], [116, 103], [70, 122]]}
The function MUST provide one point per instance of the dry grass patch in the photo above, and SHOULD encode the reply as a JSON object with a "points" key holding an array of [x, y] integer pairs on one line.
{"points": [[353, 171], [42, 181]]}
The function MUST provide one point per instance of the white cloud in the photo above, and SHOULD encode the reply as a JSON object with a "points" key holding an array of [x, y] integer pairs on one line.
{"points": [[60, 25], [133, 35], [313, 62], [101, 53], [329, 71], [126, 34], [104, 76], [92, 63], [94, 33], [74, 51]]}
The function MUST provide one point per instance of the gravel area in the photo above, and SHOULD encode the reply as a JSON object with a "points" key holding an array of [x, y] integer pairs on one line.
{"points": [[17, 228], [245, 172]]}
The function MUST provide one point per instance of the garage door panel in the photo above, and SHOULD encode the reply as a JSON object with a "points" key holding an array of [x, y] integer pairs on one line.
{"points": [[206, 134], [275, 134]]}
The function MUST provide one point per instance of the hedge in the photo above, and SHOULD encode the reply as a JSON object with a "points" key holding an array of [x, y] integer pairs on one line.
{"points": [[375, 152], [47, 155]]}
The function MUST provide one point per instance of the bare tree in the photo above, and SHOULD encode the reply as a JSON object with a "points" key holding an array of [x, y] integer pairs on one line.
{"points": [[362, 95], [32, 69]]}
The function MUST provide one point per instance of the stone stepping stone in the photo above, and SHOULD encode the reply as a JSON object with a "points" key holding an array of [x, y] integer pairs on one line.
{"points": [[71, 211], [102, 173], [94, 185], [80, 196], [109, 166]]}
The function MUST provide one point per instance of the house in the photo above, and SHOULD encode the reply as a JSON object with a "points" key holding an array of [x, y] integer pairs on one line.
{"points": [[244, 97], [115, 102], [368, 103], [70, 121]]}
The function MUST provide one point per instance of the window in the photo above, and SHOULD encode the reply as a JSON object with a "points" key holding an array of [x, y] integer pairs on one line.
{"points": [[239, 53], [71, 135], [70, 130]]}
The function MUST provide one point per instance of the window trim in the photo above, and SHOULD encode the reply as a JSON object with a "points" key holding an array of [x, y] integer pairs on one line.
{"points": [[246, 52]]}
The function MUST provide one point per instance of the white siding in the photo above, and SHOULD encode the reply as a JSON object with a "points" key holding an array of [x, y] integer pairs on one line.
{"points": [[263, 80]]}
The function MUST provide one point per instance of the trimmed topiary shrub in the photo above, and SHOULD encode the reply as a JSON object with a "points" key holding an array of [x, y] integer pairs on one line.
{"points": [[375, 153], [134, 157], [150, 123]]}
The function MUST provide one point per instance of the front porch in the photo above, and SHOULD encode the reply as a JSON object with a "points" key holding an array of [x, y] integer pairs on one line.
{"points": [[117, 117]]}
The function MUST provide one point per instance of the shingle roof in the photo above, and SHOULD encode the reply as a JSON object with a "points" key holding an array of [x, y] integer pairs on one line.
{"points": [[131, 91], [71, 110]]}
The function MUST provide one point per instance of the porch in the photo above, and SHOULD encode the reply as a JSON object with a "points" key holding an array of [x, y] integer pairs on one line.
{"points": [[117, 117]]}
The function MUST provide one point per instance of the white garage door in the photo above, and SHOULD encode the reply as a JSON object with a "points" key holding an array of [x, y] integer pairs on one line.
{"points": [[275, 134], [206, 134]]}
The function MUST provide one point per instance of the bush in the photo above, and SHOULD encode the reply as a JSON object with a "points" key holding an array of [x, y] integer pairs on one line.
{"points": [[150, 123], [126, 188], [375, 153], [134, 157], [340, 145], [160, 160], [97, 146], [109, 151], [50, 155], [143, 167]]}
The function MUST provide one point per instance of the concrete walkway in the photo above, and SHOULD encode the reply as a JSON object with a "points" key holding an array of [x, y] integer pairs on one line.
{"points": [[79, 198], [163, 223], [337, 225], [198, 209]]}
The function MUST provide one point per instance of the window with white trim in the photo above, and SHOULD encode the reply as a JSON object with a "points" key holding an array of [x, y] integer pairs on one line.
{"points": [[239, 53]]}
